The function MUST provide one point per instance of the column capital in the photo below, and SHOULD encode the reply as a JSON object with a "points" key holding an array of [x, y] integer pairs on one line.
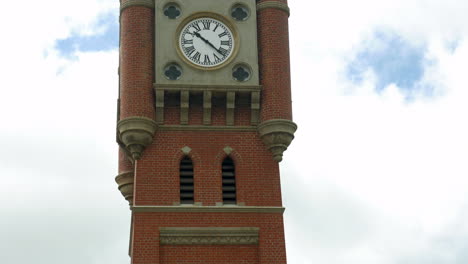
{"points": [[273, 4], [129, 3]]}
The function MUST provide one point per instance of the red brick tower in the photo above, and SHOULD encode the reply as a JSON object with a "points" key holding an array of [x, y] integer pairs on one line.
{"points": [[204, 116]]}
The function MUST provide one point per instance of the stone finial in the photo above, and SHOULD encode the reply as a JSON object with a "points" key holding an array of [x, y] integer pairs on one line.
{"points": [[136, 133], [277, 134], [125, 182]]}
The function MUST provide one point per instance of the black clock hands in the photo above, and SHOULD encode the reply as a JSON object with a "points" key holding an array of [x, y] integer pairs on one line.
{"points": [[207, 42]]}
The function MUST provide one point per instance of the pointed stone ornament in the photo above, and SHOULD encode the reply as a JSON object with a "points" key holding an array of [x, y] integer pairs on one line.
{"points": [[277, 134], [186, 150], [228, 150], [136, 133]]}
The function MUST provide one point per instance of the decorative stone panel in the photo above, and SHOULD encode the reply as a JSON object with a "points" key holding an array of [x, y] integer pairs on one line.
{"points": [[208, 235]]}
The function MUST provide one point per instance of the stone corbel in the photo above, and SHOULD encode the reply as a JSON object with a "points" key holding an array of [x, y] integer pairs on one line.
{"points": [[184, 107], [207, 107], [230, 105], [125, 182], [136, 133], [159, 106], [277, 134], [255, 108]]}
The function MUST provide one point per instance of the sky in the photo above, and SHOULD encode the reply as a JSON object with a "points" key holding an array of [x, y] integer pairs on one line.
{"points": [[377, 173]]}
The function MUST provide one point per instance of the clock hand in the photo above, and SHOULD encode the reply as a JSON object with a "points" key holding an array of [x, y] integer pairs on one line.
{"points": [[207, 42]]}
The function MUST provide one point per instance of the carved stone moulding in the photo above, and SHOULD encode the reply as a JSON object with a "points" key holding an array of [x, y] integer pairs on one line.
{"points": [[136, 133], [125, 182], [208, 235], [277, 134]]}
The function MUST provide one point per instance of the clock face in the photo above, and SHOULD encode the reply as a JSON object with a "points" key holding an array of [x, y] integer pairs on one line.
{"points": [[206, 42]]}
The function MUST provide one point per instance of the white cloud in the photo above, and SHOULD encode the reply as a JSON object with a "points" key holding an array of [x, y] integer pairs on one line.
{"points": [[401, 165]]}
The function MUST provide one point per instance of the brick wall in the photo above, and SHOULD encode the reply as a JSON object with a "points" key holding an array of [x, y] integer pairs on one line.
{"points": [[147, 249], [257, 174]]}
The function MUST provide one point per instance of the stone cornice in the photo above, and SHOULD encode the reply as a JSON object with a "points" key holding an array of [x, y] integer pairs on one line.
{"points": [[273, 4], [207, 209], [129, 3], [208, 235]]}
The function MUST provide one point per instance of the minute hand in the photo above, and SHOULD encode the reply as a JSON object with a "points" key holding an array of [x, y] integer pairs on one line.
{"points": [[207, 42]]}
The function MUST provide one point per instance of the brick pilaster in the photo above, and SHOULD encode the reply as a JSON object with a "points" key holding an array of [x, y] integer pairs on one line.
{"points": [[273, 41]]}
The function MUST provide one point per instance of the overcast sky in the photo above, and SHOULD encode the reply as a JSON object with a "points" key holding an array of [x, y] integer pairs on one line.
{"points": [[377, 174]]}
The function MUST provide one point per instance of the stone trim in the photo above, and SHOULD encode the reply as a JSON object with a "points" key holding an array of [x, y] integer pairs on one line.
{"points": [[207, 128], [207, 209], [208, 235], [273, 4], [130, 3]]}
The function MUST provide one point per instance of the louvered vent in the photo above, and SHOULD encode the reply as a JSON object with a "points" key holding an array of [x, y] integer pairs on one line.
{"points": [[186, 181], [229, 181]]}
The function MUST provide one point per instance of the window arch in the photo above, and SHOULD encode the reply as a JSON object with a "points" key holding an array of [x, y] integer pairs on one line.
{"points": [[229, 181], [186, 181]]}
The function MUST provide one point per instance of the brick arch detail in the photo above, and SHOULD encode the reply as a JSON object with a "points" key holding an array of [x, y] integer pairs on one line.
{"points": [[195, 157], [239, 169]]}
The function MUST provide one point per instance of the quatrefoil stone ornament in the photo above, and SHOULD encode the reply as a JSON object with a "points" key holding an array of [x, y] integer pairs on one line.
{"points": [[172, 72], [172, 11], [241, 74], [239, 13]]}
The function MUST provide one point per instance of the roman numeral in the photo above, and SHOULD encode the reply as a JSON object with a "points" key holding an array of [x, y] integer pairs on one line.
{"points": [[223, 51], [196, 57], [207, 59], [206, 24], [222, 34], [189, 50], [196, 26], [225, 42], [214, 30], [187, 42], [216, 58]]}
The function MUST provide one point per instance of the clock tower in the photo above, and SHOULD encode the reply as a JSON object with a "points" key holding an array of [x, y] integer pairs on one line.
{"points": [[204, 116]]}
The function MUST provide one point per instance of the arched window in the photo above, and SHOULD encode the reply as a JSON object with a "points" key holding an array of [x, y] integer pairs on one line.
{"points": [[186, 181], [229, 181]]}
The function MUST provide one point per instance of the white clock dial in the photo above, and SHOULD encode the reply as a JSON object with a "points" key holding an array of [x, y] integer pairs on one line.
{"points": [[206, 42]]}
